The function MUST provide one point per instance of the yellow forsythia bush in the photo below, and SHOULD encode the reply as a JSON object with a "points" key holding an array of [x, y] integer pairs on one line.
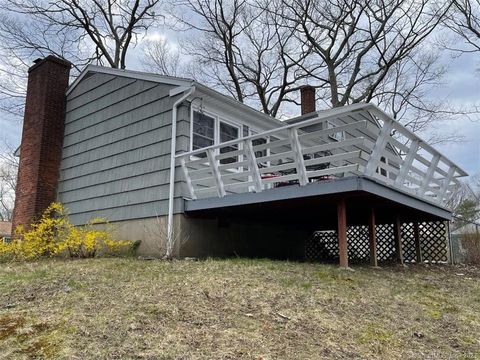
{"points": [[54, 235]]}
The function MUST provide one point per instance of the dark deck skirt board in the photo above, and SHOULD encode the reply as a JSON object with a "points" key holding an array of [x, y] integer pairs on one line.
{"points": [[349, 184]]}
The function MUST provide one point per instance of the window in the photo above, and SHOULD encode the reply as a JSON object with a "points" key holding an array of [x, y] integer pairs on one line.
{"points": [[203, 131], [209, 129], [228, 132]]}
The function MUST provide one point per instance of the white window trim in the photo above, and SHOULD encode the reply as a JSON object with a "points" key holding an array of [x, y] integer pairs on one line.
{"points": [[225, 119], [216, 126], [228, 122], [217, 141], [217, 118]]}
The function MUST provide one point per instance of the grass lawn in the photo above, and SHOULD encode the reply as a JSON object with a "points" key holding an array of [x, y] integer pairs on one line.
{"points": [[236, 309]]}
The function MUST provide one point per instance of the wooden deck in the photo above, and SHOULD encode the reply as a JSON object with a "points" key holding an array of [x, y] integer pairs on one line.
{"points": [[358, 140], [351, 166], [343, 208]]}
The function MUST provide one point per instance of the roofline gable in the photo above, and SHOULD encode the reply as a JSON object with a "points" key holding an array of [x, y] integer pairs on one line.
{"points": [[182, 83], [170, 80]]}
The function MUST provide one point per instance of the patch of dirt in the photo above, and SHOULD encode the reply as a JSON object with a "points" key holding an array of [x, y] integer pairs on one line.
{"points": [[9, 325]]}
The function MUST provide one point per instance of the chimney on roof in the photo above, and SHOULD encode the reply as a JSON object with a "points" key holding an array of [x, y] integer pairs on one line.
{"points": [[42, 138], [307, 96]]}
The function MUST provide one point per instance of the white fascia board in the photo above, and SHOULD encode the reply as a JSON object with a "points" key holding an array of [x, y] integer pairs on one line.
{"points": [[178, 90], [241, 107]]}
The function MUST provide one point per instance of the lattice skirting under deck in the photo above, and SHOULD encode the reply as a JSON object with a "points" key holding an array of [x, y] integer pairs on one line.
{"points": [[323, 245]]}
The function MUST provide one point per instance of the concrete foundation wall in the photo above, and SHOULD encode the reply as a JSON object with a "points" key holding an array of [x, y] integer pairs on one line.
{"points": [[215, 238]]}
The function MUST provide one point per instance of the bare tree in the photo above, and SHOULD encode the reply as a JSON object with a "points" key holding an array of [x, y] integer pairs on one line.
{"points": [[375, 51], [8, 180], [12, 87], [464, 21], [465, 201], [244, 50], [352, 51], [161, 57], [406, 91], [22, 41], [111, 26], [101, 31]]}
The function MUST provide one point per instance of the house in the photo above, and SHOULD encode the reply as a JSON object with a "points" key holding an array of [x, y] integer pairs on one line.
{"points": [[182, 167], [5, 231]]}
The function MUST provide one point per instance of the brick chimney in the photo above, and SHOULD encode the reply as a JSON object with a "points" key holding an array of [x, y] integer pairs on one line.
{"points": [[42, 138], [307, 95]]}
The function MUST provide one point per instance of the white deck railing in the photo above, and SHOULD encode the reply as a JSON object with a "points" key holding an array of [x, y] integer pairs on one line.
{"points": [[354, 140]]}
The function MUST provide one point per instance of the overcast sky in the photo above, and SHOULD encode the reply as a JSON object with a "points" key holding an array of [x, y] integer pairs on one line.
{"points": [[461, 88]]}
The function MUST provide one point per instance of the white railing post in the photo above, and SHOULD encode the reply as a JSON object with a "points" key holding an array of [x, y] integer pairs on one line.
{"points": [[299, 163], [216, 172], [252, 173], [405, 167], [428, 177], [446, 183], [252, 164], [380, 144], [188, 180]]}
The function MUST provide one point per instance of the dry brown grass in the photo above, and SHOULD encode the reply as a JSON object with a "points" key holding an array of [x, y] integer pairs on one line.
{"points": [[236, 309]]}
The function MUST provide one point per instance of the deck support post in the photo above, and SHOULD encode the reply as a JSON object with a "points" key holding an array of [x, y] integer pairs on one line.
{"points": [[372, 232], [397, 233], [418, 249], [342, 232]]}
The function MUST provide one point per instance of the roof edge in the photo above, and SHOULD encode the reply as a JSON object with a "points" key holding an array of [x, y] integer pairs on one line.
{"points": [[176, 81], [131, 74]]}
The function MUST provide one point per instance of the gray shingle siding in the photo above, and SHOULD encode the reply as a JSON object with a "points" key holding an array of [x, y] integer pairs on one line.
{"points": [[139, 211], [116, 152], [90, 82]]}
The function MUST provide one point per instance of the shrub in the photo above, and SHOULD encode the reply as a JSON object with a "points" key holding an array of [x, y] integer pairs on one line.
{"points": [[54, 235], [7, 250]]}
